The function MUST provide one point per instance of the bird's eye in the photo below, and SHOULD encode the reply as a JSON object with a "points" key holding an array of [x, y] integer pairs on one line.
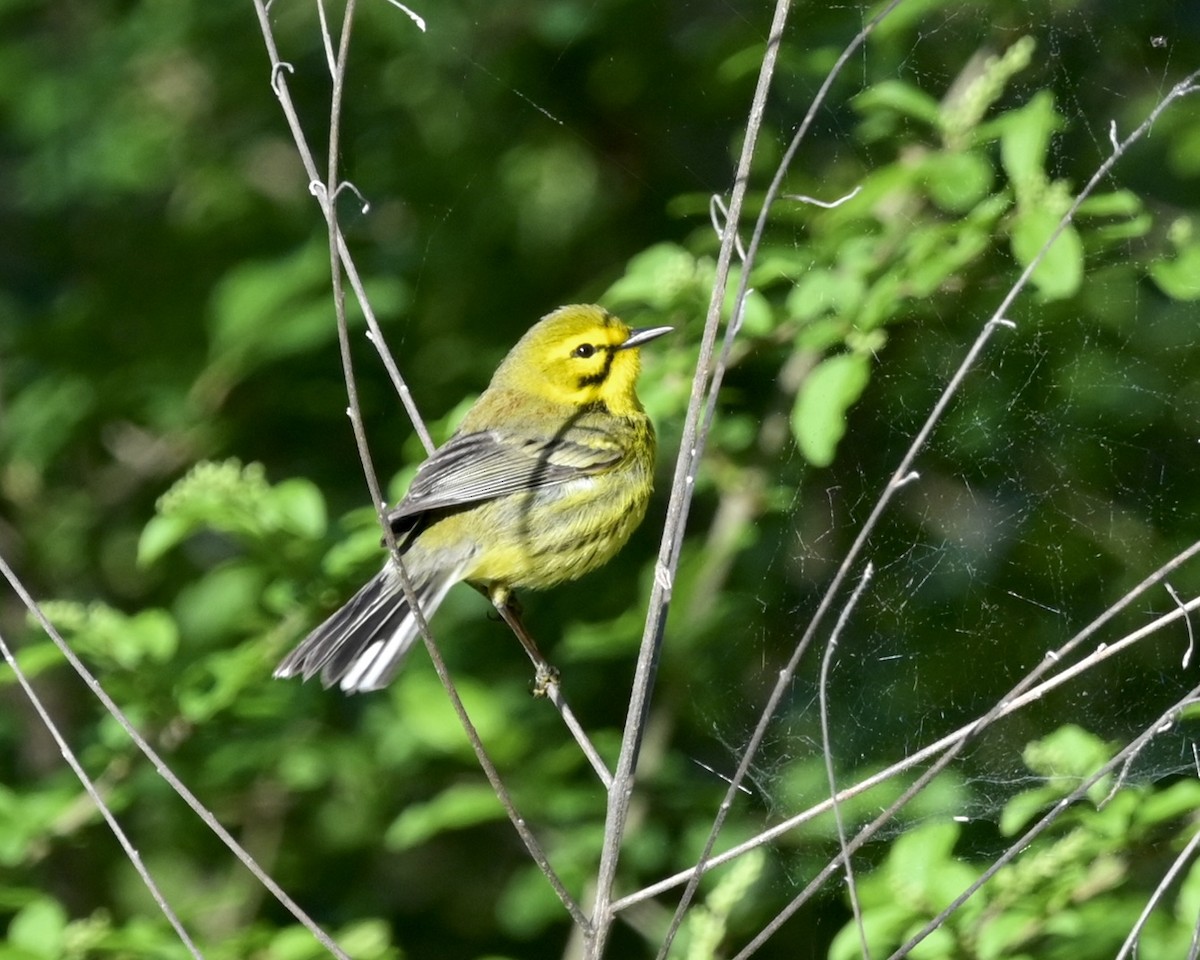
{"points": [[584, 350]]}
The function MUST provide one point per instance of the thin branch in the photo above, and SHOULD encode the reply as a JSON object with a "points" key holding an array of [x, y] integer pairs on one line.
{"points": [[164, 771], [412, 15], [489, 768], [718, 215], [331, 61], [555, 695], [279, 70], [88, 785], [824, 204], [827, 752], [1191, 647], [1160, 891]]}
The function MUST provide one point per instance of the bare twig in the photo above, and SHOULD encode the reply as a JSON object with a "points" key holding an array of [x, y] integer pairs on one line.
{"points": [[412, 15], [279, 70], [1160, 891], [718, 215], [827, 752], [555, 695], [1191, 647], [824, 204]]}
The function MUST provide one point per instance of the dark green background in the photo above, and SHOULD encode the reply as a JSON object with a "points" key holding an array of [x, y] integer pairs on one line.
{"points": [[165, 301]]}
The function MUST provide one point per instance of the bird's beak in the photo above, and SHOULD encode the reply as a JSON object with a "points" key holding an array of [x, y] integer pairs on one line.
{"points": [[643, 335]]}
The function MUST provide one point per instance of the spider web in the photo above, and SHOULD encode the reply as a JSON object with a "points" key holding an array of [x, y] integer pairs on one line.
{"points": [[1058, 479]]}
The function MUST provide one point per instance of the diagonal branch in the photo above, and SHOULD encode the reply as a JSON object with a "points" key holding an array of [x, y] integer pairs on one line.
{"points": [[77, 768], [164, 771], [1006, 706]]}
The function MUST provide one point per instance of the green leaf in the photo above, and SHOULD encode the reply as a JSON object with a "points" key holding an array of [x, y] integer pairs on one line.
{"points": [[269, 309], [367, 939], [214, 684], [301, 508], [1059, 273], [758, 319], [945, 257], [159, 536], [1070, 752], [1063, 758], [223, 603], [957, 182], [236, 500], [1024, 140], [1023, 807], [1115, 203], [1178, 800], [1179, 278], [40, 928], [41, 419], [985, 81], [898, 97], [819, 414], [821, 292], [33, 659], [656, 277], [99, 631], [464, 805]]}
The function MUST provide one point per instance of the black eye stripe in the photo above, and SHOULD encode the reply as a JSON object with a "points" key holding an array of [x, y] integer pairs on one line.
{"points": [[597, 378]]}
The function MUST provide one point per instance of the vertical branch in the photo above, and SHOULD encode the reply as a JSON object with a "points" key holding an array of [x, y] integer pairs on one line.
{"points": [[621, 791], [827, 751]]}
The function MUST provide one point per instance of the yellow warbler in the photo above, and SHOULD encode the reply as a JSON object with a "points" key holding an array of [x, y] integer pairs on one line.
{"points": [[545, 480]]}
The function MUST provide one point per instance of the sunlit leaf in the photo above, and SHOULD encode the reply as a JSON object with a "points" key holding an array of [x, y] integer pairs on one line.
{"points": [[819, 414]]}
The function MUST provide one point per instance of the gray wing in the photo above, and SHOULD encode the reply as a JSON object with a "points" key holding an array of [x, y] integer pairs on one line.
{"points": [[472, 467]]}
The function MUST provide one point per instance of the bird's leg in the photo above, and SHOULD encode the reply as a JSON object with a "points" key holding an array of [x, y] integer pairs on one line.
{"points": [[509, 609]]}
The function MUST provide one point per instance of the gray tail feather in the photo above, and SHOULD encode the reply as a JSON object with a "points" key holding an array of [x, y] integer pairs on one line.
{"points": [[363, 644]]}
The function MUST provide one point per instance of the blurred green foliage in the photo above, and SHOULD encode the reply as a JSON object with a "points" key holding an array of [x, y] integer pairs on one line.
{"points": [[178, 476]]}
